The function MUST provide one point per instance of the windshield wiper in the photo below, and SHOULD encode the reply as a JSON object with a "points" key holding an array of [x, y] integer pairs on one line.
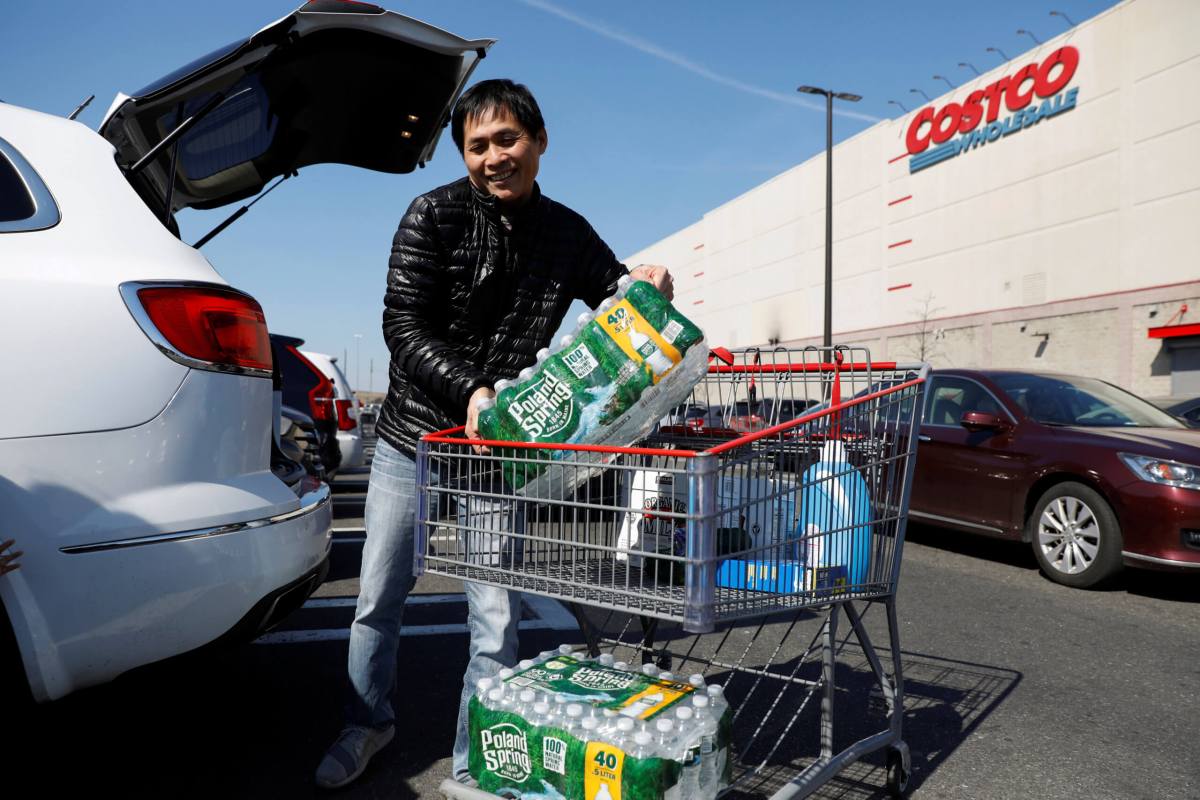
{"points": [[235, 216]]}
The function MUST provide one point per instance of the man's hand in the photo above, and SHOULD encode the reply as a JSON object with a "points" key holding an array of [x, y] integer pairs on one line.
{"points": [[472, 429], [8, 561], [657, 275]]}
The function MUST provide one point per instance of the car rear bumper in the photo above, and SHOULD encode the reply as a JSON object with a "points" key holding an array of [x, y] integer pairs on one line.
{"points": [[1160, 526], [96, 612]]}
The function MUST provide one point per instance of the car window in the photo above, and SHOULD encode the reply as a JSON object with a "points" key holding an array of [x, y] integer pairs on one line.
{"points": [[949, 398], [1071, 400], [15, 201], [25, 202]]}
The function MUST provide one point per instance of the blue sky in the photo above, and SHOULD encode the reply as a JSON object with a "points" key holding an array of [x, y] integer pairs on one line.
{"points": [[657, 112]]}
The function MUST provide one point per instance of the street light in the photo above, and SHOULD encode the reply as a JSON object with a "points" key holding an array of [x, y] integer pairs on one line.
{"points": [[1064, 16], [358, 362], [999, 51], [898, 103], [918, 91], [969, 64], [850, 98], [944, 78], [1023, 32]]}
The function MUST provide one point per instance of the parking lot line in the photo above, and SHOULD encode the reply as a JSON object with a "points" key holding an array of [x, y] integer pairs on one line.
{"points": [[551, 616], [343, 634]]}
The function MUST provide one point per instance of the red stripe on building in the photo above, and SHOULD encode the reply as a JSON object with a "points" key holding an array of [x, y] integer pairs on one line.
{"points": [[699, 246], [697, 302], [1172, 331], [900, 200], [698, 274], [899, 286], [897, 158], [897, 244]]}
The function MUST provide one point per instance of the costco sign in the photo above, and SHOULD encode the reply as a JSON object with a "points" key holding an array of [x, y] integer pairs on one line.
{"points": [[1030, 95]]}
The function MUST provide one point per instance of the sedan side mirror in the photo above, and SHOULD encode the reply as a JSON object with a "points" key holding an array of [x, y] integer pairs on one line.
{"points": [[976, 421]]}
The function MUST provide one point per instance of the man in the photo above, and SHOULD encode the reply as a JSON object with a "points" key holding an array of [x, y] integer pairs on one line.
{"points": [[481, 274]]}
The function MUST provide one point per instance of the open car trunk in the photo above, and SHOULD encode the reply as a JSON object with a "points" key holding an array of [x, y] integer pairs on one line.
{"points": [[332, 82]]}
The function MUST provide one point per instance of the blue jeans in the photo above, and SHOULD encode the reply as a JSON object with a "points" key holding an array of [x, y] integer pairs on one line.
{"points": [[387, 578]]}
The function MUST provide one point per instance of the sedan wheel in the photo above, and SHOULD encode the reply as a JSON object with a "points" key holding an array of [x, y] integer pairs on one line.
{"points": [[1075, 536]]}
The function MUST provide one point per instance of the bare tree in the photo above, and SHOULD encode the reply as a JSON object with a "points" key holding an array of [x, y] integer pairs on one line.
{"points": [[927, 345]]}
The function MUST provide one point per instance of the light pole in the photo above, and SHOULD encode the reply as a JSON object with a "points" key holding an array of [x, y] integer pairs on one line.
{"points": [[1064, 16], [998, 52], [898, 103], [922, 93], [358, 361], [969, 64], [850, 98], [1023, 32], [944, 78]]}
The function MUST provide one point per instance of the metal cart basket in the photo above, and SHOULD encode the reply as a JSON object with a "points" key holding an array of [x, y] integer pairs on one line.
{"points": [[774, 499]]}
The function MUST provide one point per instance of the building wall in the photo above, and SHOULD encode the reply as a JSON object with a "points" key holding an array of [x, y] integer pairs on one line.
{"points": [[1099, 201]]}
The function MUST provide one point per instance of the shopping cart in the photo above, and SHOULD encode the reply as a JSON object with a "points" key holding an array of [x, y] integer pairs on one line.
{"points": [[714, 544]]}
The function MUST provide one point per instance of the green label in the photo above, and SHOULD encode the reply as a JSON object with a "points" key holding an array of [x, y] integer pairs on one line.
{"points": [[544, 408], [629, 693]]}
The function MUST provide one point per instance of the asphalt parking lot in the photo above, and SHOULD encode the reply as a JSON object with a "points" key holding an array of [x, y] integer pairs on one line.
{"points": [[1018, 688]]}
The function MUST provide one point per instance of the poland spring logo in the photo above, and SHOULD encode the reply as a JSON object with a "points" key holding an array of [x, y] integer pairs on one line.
{"points": [[506, 752], [601, 680]]}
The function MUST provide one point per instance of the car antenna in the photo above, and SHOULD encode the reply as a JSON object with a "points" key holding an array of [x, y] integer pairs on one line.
{"points": [[232, 218], [82, 106]]}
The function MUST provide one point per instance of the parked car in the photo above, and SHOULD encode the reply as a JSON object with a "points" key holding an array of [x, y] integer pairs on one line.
{"points": [[300, 440], [749, 417], [305, 387], [345, 410], [1186, 409], [141, 487], [1093, 477]]}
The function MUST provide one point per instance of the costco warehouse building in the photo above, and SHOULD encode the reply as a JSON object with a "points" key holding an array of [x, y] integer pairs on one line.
{"points": [[1044, 216]]}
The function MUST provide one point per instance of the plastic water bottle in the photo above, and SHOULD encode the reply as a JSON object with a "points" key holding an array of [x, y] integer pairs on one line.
{"points": [[606, 659], [542, 354], [719, 705], [495, 700], [574, 721], [650, 670], [565, 649], [643, 745], [697, 682], [666, 676], [707, 727], [546, 655], [687, 751], [590, 726], [483, 686], [525, 701], [525, 664], [623, 666], [541, 714]]}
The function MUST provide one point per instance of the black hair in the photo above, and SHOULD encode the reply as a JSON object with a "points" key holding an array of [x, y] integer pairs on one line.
{"points": [[494, 94]]}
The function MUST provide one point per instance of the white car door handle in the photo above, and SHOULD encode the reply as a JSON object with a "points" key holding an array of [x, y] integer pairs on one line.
{"points": [[923, 438]]}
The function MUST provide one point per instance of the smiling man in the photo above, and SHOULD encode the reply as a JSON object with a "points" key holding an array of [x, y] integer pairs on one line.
{"points": [[481, 274]]}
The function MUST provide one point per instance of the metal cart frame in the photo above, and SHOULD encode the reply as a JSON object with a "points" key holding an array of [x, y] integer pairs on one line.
{"points": [[727, 496]]}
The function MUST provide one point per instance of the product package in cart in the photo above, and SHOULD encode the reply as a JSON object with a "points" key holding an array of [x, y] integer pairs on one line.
{"points": [[572, 728], [607, 383]]}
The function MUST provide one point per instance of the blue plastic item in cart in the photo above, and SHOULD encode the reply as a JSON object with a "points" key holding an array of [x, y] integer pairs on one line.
{"points": [[835, 516], [779, 577]]}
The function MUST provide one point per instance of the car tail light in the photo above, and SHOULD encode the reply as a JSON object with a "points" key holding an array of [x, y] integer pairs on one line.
{"points": [[206, 327], [346, 420], [320, 397]]}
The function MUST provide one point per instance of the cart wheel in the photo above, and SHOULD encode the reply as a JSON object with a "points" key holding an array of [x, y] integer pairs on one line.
{"points": [[897, 775]]}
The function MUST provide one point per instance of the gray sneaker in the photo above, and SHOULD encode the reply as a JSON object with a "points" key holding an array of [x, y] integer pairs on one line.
{"points": [[348, 756]]}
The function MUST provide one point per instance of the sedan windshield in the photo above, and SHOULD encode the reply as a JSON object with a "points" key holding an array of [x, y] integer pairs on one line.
{"points": [[1064, 400]]}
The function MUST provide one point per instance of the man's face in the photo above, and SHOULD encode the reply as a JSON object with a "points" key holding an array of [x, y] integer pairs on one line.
{"points": [[501, 156]]}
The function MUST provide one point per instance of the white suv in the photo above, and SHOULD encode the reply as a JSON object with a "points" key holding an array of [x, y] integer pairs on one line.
{"points": [[140, 485], [349, 434]]}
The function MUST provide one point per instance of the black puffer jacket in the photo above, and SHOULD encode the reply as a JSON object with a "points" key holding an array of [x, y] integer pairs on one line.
{"points": [[472, 297]]}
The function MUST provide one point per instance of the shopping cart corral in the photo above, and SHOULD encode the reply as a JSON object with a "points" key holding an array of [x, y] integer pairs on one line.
{"points": [[749, 557]]}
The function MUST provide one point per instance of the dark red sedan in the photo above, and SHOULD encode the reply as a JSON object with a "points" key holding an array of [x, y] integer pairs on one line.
{"points": [[1091, 475]]}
